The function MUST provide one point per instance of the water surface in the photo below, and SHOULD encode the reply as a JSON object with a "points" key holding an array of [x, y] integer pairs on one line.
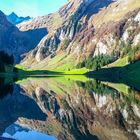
{"points": [[68, 108]]}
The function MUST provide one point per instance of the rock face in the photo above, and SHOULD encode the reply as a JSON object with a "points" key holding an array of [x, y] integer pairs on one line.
{"points": [[14, 19], [82, 29], [16, 42]]}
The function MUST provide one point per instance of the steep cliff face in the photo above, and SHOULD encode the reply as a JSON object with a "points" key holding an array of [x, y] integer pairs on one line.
{"points": [[84, 28], [76, 113], [15, 42]]}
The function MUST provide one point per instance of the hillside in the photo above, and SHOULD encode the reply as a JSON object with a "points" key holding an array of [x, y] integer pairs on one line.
{"points": [[83, 29]]}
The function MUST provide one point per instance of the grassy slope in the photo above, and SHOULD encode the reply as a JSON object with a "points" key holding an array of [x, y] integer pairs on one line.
{"points": [[61, 62], [119, 63], [23, 71], [77, 71]]}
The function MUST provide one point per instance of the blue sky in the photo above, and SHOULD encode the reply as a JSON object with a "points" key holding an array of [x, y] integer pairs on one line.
{"points": [[31, 8]]}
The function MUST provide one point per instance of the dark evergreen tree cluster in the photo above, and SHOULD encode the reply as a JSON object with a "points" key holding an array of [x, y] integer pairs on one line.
{"points": [[97, 62], [5, 88], [5, 59]]}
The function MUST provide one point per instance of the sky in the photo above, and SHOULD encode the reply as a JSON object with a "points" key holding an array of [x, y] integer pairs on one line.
{"points": [[31, 8]]}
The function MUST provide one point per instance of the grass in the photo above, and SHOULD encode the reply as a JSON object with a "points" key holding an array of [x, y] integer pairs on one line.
{"points": [[61, 63], [57, 59], [20, 67], [23, 71], [68, 68], [77, 71], [67, 63], [119, 63]]}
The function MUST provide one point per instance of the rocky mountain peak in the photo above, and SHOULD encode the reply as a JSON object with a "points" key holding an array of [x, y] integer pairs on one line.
{"points": [[1, 14], [13, 15], [3, 21], [15, 19]]}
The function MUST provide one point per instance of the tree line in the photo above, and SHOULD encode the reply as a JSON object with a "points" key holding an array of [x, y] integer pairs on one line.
{"points": [[97, 62]]}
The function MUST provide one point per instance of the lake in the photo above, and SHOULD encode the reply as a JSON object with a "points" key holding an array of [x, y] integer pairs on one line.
{"points": [[68, 108]]}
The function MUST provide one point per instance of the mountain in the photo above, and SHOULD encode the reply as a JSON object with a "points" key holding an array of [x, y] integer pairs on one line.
{"points": [[83, 29], [15, 42], [14, 19]]}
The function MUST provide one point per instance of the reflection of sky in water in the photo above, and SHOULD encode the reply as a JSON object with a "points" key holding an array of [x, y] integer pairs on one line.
{"points": [[19, 133]]}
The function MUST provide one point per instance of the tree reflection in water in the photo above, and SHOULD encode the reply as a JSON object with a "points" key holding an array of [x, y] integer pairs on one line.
{"points": [[5, 88]]}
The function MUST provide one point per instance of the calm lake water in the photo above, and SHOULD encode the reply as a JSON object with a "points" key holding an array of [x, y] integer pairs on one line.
{"points": [[68, 108]]}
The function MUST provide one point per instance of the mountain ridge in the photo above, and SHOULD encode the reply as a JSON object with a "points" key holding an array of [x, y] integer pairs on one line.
{"points": [[15, 19]]}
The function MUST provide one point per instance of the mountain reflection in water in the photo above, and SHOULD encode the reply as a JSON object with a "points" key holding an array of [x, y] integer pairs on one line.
{"points": [[70, 108]]}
